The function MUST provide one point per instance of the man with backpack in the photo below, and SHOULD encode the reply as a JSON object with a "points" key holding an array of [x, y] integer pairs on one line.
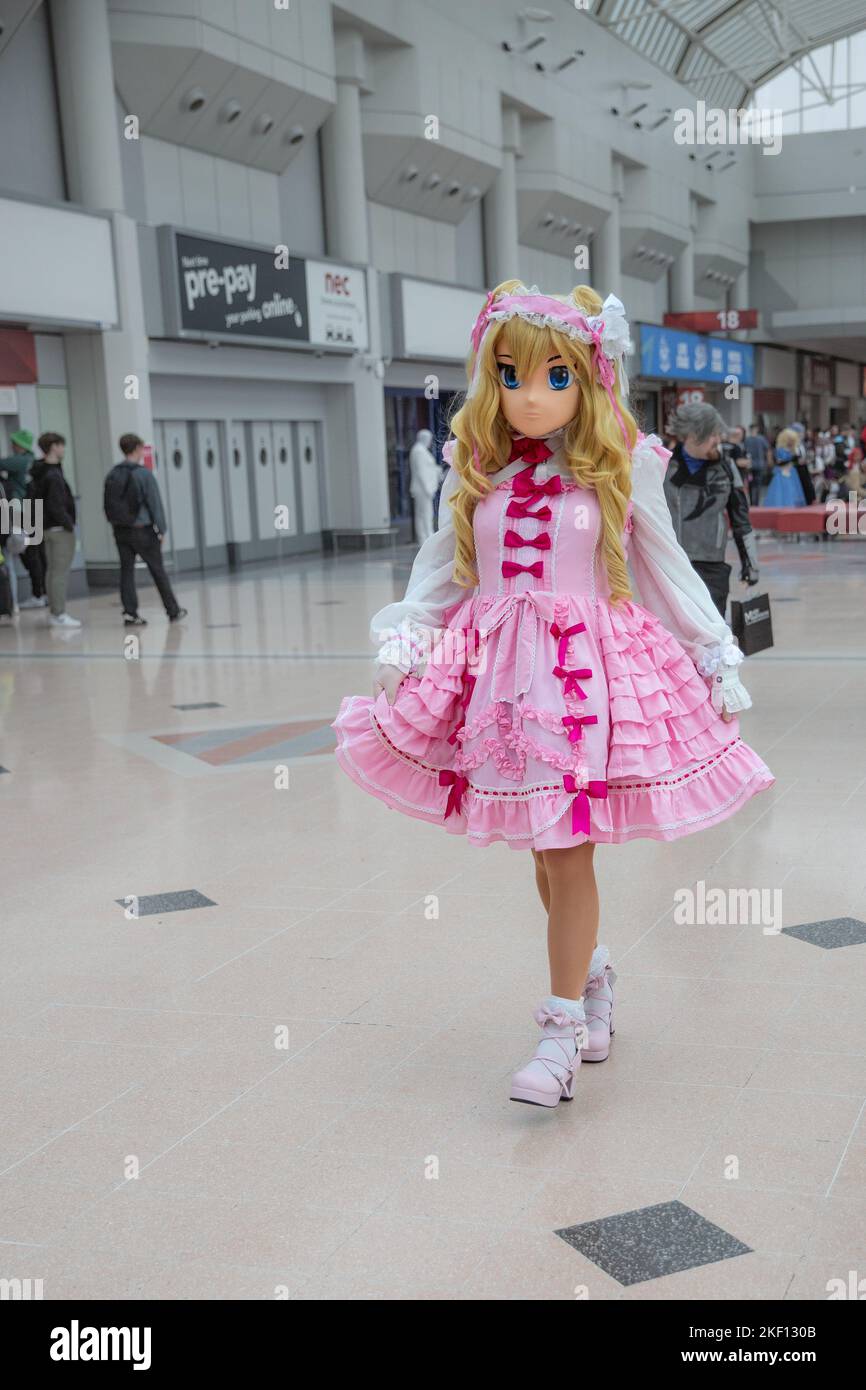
{"points": [[134, 510]]}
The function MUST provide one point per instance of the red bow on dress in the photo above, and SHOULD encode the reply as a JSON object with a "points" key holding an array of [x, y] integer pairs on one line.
{"points": [[524, 485], [510, 568], [458, 784], [580, 804], [533, 450], [514, 540]]}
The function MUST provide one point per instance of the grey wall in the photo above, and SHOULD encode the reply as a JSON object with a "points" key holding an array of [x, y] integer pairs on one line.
{"points": [[31, 154]]}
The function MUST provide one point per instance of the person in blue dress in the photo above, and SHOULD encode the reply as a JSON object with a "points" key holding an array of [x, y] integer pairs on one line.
{"points": [[785, 488]]}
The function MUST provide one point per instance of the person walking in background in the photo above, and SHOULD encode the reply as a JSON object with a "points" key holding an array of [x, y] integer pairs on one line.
{"points": [[49, 486], [15, 478], [133, 508], [802, 465], [757, 446], [423, 484], [704, 492]]}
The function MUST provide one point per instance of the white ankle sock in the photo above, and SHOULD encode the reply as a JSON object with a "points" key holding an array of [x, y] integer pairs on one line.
{"points": [[573, 1007]]}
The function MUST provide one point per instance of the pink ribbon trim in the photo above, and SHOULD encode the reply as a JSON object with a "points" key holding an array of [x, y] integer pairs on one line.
{"points": [[574, 723], [563, 635], [580, 804], [572, 680]]}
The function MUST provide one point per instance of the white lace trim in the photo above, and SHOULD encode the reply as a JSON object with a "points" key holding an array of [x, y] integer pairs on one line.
{"points": [[722, 654]]}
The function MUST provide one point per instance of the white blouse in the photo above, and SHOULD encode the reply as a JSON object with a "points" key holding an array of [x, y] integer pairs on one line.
{"points": [[667, 584]]}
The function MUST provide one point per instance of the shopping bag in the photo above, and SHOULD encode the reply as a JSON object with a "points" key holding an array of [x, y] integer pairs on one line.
{"points": [[752, 623]]}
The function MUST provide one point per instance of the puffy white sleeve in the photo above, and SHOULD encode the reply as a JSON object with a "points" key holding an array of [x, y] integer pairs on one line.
{"points": [[668, 585], [404, 629]]}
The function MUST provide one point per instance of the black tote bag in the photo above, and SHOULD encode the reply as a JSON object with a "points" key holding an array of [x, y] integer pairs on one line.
{"points": [[752, 623]]}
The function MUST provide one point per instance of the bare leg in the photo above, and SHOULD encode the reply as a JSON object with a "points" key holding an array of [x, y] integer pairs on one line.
{"points": [[541, 880], [572, 923]]}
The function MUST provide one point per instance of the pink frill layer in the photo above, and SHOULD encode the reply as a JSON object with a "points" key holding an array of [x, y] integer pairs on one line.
{"points": [[540, 817]]}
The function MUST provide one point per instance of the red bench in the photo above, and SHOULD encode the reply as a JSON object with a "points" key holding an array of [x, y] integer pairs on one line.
{"points": [[789, 520]]}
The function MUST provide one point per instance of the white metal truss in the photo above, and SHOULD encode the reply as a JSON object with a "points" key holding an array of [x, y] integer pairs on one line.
{"points": [[725, 49]]}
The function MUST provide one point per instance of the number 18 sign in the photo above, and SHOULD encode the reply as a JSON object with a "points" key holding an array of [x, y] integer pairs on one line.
{"points": [[713, 321]]}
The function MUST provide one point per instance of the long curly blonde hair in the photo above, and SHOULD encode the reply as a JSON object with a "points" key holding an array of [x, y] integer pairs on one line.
{"points": [[593, 442]]}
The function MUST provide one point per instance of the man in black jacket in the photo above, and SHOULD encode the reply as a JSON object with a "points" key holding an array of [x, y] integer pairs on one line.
{"points": [[134, 509], [50, 489], [704, 490]]}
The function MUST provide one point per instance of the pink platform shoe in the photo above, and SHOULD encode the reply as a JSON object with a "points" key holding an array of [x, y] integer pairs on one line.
{"points": [[549, 1077], [598, 1003]]}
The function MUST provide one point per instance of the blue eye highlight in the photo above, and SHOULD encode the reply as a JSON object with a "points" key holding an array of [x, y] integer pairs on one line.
{"points": [[508, 376], [559, 378]]}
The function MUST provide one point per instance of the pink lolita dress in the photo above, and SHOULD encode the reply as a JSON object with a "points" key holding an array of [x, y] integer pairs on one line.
{"points": [[536, 711]]}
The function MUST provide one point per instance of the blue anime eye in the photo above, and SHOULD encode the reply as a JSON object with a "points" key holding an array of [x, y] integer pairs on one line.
{"points": [[559, 378], [508, 376]]}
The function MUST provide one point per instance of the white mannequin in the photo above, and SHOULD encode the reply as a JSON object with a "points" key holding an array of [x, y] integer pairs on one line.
{"points": [[423, 485]]}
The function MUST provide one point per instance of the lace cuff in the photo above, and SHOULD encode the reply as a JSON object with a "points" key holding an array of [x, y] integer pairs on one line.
{"points": [[724, 656], [407, 647]]}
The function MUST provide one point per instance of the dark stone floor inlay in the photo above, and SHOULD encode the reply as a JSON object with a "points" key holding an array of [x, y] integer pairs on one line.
{"points": [[652, 1241], [152, 903], [830, 935], [203, 704]]}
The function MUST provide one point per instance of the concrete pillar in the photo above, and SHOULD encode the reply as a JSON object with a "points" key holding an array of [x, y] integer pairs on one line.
{"points": [[607, 254], [501, 237], [343, 156], [682, 281], [109, 386]]}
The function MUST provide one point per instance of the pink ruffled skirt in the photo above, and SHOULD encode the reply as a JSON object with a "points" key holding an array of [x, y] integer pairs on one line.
{"points": [[545, 720]]}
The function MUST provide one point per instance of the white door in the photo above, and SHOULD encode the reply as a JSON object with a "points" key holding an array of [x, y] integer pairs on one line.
{"points": [[284, 468], [240, 526], [263, 477], [310, 470], [178, 492], [211, 486]]}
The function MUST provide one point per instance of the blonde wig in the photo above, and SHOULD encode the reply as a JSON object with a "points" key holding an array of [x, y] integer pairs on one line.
{"points": [[593, 441]]}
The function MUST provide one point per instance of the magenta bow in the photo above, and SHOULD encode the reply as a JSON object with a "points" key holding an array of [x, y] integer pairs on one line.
{"points": [[580, 804], [572, 680], [458, 785], [574, 723], [533, 450], [514, 540], [562, 635], [521, 509], [466, 696], [510, 568], [522, 484]]}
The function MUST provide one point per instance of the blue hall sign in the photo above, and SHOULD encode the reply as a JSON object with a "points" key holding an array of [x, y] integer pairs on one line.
{"points": [[671, 353]]}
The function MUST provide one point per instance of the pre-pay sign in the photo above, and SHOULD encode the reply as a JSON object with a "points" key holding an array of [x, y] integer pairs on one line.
{"points": [[206, 279]]}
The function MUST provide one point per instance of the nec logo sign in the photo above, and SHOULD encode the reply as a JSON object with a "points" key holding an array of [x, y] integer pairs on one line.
{"points": [[337, 284]]}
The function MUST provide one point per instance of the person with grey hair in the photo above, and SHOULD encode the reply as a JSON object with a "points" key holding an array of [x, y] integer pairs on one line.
{"points": [[704, 491]]}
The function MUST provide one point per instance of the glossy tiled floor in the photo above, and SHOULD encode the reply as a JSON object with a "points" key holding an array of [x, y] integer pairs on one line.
{"points": [[295, 1076]]}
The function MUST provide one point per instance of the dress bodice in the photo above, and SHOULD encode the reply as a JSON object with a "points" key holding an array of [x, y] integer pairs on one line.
{"points": [[539, 531]]}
